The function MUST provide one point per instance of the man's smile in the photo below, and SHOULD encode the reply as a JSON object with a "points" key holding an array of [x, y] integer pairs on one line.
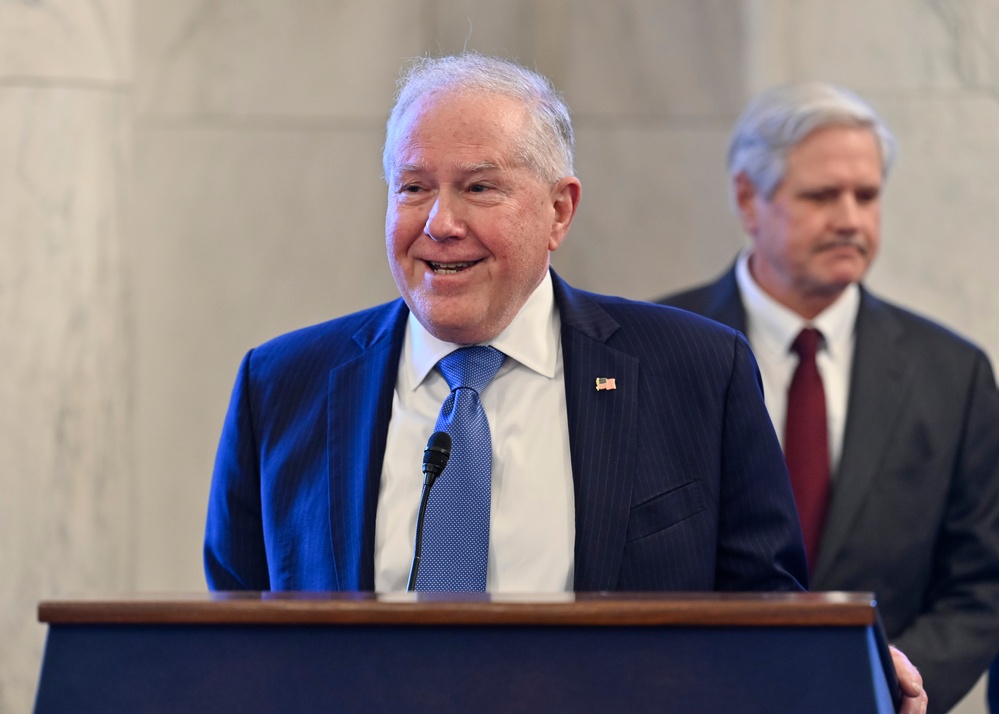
{"points": [[450, 268]]}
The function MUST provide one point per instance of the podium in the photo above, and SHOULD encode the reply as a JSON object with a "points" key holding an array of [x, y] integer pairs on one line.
{"points": [[364, 652]]}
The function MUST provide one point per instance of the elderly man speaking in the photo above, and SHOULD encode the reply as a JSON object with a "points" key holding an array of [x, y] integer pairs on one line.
{"points": [[598, 443]]}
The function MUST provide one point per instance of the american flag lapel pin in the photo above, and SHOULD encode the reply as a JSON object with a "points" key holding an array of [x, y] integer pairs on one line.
{"points": [[606, 383]]}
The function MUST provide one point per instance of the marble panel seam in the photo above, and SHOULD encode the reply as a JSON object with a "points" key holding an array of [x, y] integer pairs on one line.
{"points": [[82, 83]]}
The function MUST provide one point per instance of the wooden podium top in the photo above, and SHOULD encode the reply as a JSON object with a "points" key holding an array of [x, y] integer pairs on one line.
{"points": [[835, 609]]}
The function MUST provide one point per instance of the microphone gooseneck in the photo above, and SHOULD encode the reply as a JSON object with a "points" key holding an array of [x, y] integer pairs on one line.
{"points": [[435, 456]]}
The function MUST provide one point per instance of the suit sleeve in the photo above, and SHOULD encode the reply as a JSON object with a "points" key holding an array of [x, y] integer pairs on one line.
{"points": [[234, 553], [760, 545], [957, 633]]}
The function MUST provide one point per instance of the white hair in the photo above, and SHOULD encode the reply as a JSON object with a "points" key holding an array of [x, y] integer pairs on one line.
{"points": [[548, 147]]}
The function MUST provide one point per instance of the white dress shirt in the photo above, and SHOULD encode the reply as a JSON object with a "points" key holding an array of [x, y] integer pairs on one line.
{"points": [[532, 524], [771, 329]]}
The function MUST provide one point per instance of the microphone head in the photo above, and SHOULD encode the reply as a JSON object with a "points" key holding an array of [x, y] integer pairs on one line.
{"points": [[437, 453]]}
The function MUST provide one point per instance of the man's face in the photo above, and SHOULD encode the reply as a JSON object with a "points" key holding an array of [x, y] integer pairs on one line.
{"points": [[469, 226], [820, 230]]}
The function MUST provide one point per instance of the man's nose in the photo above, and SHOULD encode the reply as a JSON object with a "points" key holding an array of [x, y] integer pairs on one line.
{"points": [[847, 213], [445, 220]]}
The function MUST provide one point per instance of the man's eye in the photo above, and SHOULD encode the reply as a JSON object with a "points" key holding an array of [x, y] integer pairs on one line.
{"points": [[821, 196], [411, 188], [478, 188], [867, 196]]}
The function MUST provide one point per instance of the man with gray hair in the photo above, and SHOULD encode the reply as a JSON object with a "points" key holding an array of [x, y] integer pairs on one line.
{"points": [[317, 483], [889, 423], [596, 443]]}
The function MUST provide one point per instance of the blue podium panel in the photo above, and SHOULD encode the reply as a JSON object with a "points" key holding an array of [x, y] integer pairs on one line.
{"points": [[460, 668]]}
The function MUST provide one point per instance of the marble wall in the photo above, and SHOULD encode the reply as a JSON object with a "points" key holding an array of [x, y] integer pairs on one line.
{"points": [[66, 383], [245, 146]]}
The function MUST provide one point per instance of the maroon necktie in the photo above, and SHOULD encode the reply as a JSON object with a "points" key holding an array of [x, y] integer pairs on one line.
{"points": [[806, 442]]}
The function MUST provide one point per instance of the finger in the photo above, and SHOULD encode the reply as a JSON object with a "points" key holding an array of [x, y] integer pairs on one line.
{"points": [[914, 699]]}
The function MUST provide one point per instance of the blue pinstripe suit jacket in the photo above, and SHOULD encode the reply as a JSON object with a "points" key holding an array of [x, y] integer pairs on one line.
{"points": [[679, 479]]}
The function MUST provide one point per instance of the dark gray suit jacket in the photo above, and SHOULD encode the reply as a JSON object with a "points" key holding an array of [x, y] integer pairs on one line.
{"points": [[914, 514]]}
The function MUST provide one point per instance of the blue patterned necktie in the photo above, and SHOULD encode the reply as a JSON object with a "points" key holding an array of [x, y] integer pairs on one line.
{"points": [[456, 528]]}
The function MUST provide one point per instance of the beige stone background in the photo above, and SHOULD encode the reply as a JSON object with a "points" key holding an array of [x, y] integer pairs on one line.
{"points": [[182, 179]]}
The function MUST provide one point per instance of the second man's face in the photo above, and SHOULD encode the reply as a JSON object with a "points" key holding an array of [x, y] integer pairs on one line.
{"points": [[469, 226], [820, 230]]}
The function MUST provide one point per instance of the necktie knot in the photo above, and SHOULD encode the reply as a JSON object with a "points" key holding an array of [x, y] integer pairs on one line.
{"points": [[471, 367], [806, 344]]}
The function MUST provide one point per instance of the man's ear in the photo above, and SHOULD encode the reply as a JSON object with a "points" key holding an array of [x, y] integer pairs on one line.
{"points": [[745, 200], [565, 200]]}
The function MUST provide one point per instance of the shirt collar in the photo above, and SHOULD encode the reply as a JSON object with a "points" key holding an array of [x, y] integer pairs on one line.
{"points": [[532, 339], [779, 325]]}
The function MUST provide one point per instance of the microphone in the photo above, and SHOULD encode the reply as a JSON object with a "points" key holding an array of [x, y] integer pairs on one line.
{"points": [[435, 457]]}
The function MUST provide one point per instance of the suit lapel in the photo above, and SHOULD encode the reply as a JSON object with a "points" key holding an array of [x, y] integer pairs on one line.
{"points": [[602, 436], [359, 409], [877, 391], [724, 303]]}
